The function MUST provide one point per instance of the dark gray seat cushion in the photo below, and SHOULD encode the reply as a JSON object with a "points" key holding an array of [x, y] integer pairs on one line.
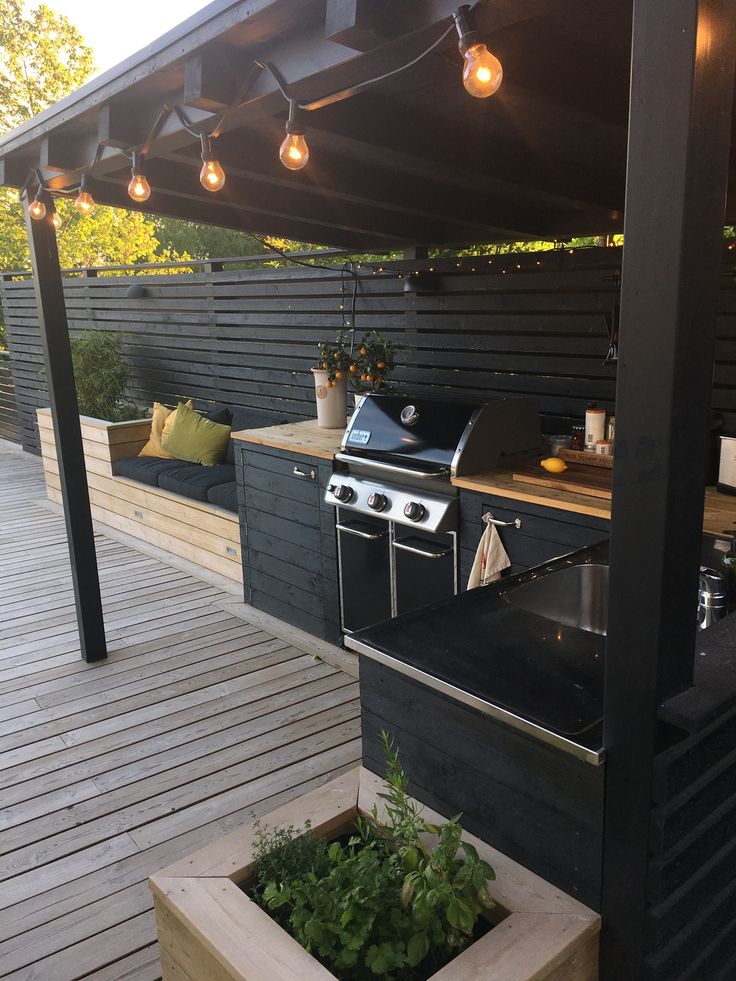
{"points": [[193, 480], [247, 419], [224, 496], [145, 469]]}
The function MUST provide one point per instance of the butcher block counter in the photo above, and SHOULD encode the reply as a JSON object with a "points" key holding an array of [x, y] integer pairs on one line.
{"points": [[719, 515], [298, 437]]}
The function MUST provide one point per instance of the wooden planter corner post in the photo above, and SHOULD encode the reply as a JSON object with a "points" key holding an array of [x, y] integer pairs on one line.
{"points": [[209, 929]]}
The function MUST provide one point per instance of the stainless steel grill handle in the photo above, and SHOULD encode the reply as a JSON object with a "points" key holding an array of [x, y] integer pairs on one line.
{"points": [[371, 536], [443, 553], [442, 472], [304, 474]]}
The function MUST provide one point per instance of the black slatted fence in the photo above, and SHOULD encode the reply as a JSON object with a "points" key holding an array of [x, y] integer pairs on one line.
{"points": [[470, 328]]}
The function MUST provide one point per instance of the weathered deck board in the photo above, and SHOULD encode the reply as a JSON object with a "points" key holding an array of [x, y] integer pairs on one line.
{"points": [[111, 771]]}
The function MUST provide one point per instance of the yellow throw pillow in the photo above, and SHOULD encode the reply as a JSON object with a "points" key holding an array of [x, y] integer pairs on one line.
{"points": [[196, 439], [162, 422]]}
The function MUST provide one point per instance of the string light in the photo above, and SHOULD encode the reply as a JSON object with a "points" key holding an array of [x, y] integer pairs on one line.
{"points": [[55, 216], [482, 71], [294, 152], [139, 189], [211, 176], [84, 202], [482, 76], [37, 207]]}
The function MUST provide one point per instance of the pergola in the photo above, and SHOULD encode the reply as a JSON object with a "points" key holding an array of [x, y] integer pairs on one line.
{"points": [[582, 138]]}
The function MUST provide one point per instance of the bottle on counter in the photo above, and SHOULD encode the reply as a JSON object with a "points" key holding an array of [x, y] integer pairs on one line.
{"points": [[595, 427]]}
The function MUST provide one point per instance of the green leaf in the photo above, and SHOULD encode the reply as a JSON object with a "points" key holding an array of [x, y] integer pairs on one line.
{"points": [[417, 948]]}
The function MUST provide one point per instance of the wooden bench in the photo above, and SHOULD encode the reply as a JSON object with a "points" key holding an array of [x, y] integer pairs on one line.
{"points": [[202, 533]]}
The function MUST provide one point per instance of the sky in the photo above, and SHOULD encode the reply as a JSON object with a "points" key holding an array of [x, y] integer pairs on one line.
{"points": [[115, 31]]}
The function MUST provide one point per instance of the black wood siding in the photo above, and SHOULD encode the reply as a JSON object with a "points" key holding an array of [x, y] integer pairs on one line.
{"points": [[527, 324], [288, 533], [535, 803]]}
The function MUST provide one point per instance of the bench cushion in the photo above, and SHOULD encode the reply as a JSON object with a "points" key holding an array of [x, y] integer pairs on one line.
{"points": [[145, 469], [194, 481], [224, 496]]}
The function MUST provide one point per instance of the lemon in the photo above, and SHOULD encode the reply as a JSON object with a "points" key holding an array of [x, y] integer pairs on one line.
{"points": [[554, 464]]}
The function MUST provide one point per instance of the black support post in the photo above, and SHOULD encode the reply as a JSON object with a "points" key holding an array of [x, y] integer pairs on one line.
{"points": [[679, 135], [65, 414]]}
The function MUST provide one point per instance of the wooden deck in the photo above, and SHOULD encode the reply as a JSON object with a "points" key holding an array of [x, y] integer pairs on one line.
{"points": [[111, 771]]}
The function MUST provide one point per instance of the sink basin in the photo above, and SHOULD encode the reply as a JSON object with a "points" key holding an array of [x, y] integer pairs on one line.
{"points": [[576, 596]]}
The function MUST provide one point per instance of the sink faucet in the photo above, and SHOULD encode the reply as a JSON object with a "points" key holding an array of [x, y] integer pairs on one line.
{"points": [[711, 598]]}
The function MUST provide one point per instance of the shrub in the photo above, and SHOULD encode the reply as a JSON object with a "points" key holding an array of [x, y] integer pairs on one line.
{"points": [[101, 376]]}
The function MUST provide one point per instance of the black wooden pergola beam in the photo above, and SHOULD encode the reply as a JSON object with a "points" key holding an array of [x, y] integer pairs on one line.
{"points": [[679, 138]]}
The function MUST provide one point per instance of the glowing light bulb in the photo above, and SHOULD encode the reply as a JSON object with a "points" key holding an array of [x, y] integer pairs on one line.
{"points": [[212, 176], [139, 189], [37, 209], [482, 72], [294, 152], [56, 219], [84, 202]]}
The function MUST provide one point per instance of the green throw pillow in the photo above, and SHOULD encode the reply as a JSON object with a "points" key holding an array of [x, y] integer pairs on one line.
{"points": [[196, 439]]}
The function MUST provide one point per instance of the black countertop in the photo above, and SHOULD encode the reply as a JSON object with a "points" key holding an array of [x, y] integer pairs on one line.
{"points": [[548, 676]]}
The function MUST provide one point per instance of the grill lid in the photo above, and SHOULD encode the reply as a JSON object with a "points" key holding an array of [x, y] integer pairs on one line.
{"points": [[420, 432]]}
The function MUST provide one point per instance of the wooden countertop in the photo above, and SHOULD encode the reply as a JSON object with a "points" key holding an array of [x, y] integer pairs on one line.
{"points": [[298, 437], [719, 515]]}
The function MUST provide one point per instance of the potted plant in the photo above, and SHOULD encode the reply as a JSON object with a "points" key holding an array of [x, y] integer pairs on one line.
{"points": [[330, 383], [373, 886], [372, 363]]}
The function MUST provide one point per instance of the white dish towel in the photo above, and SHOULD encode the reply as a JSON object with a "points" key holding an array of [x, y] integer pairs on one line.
{"points": [[490, 559]]}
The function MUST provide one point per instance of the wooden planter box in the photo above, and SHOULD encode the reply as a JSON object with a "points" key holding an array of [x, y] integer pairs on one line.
{"points": [[209, 930], [203, 534]]}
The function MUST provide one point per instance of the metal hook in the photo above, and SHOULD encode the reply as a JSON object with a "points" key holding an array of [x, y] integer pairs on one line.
{"points": [[490, 520]]}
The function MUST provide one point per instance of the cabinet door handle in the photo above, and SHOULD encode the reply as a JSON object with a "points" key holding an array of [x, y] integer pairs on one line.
{"points": [[304, 474]]}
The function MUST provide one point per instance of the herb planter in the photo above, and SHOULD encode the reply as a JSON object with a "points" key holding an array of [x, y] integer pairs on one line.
{"points": [[209, 930]]}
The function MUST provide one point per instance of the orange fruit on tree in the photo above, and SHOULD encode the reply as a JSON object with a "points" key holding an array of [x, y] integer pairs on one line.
{"points": [[338, 374], [369, 378], [364, 350], [381, 364]]}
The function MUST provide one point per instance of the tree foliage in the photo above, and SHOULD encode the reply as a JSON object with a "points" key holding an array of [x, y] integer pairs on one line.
{"points": [[43, 57]]}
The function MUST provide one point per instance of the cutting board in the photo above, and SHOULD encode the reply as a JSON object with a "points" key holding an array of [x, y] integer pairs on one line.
{"points": [[577, 479]]}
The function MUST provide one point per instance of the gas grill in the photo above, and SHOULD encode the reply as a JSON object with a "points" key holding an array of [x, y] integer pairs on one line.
{"points": [[396, 508]]}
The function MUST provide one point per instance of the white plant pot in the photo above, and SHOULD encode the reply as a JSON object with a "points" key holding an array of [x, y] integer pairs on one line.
{"points": [[331, 402]]}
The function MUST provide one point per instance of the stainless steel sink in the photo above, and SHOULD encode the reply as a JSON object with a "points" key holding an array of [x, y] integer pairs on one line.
{"points": [[575, 596]]}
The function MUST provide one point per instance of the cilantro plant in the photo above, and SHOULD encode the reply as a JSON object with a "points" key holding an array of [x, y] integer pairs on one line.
{"points": [[396, 900]]}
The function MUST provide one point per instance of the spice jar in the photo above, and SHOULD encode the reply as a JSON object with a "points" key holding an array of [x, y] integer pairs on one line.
{"points": [[595, 427], [577, 440]]}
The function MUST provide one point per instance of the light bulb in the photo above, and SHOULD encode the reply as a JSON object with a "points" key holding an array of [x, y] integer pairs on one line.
{"points": [[37, 209], [56, 220], [84, 202], [482, 72], [139, 189], [212, 176], [294, 152]]}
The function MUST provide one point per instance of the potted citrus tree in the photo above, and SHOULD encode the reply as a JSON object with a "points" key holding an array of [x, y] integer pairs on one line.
{"points": [[330, 383], [372, 363]]}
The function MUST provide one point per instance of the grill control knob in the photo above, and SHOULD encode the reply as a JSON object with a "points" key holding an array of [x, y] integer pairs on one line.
{"points": [[378, 502], [343, 493], [414, 511]]}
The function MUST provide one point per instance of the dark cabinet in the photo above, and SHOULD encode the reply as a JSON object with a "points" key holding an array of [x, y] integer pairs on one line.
{"points": [[545, 533], [288, 538]]}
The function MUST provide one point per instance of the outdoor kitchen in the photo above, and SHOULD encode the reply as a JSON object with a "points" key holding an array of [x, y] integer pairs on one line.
{"points": [[380, 624]]}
